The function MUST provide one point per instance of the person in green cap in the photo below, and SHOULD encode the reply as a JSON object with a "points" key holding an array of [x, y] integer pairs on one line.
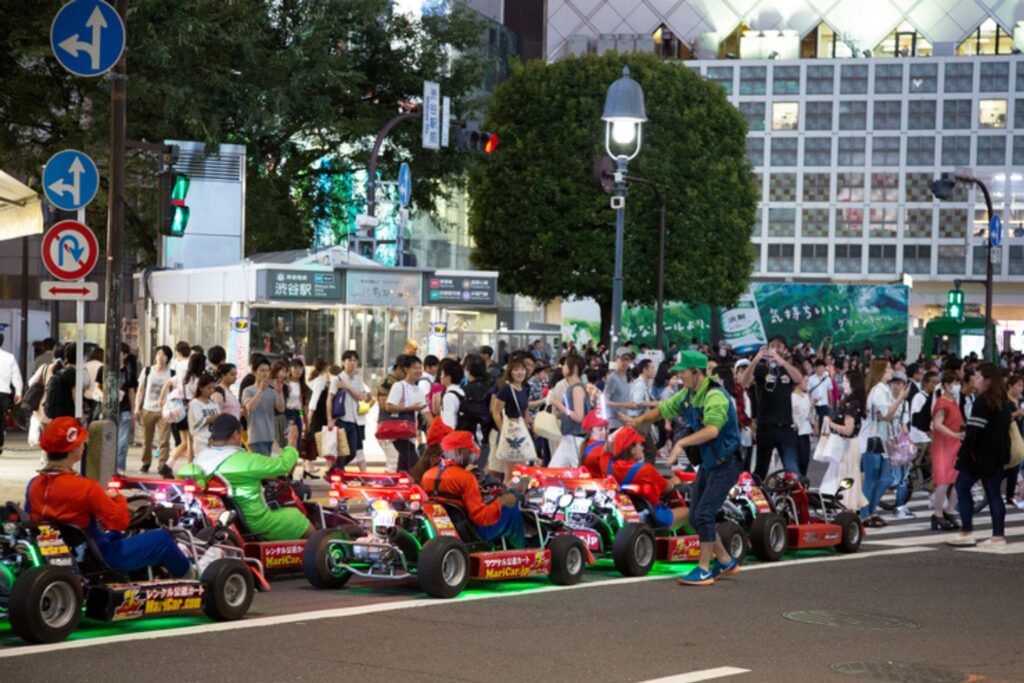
{"points": [[711, 414], [245, 472]]}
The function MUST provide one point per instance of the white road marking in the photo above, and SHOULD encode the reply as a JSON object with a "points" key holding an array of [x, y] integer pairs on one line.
{"points": [[1011, 549], [705, 675], [937, 539], [340, 612]]}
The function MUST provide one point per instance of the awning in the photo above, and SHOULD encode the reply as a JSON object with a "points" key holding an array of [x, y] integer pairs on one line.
{"points": [[21, 211]]}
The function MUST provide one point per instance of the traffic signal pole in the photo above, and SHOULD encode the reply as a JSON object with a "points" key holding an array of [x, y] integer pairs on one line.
{"points": [[989, 351]]}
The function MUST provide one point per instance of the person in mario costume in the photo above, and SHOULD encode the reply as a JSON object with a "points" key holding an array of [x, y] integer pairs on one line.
{"points": [[449, 480], [59, 494], [627, 467]]}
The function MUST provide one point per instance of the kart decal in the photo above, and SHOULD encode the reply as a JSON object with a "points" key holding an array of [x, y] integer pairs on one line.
{"points": [[52, 547], [130, 607], [440, 519], [589, 536], [675, 548], [160, 597], [279, 555], [512, 564], [758, 499], [629, 513], [213, 506]]}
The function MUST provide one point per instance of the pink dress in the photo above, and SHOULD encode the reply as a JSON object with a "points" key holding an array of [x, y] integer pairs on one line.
{"points": [[945, 448]]}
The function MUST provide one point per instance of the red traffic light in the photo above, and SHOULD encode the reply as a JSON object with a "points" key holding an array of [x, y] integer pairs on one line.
{"points": [[491, 144]]}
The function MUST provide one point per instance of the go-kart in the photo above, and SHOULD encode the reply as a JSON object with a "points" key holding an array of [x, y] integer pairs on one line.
{"points": [[749, 507], [812, 519], [402, 533], [196, 503], [49, 570]]}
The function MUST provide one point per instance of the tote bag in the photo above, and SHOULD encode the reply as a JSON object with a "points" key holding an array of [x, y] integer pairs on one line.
{"points": [[1016, 446], [545, 424], [830, 448], [515, 443]]}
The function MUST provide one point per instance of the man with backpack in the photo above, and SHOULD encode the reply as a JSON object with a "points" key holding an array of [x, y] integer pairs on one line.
{"points": [[474, 414], [10, 388], [60, 388], [921, 417]]}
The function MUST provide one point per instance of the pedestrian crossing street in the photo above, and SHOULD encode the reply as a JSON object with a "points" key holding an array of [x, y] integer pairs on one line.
{"points": [[918, 531]]}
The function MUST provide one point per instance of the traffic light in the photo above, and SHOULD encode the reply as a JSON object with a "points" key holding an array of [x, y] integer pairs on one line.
{"points": [[471, 139], [955, 304], [178, 212]]}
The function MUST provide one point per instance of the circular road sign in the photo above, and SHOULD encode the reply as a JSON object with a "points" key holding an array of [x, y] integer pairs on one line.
{"points": [[70, 180], [87, 37], [70, 250]]}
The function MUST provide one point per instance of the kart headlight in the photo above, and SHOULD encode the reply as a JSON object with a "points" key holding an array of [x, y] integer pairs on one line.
{"points": [[380, 505], [565, 500]]}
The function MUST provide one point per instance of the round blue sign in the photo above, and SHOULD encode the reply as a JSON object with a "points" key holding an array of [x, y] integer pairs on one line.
{"points": [[87, 37], [70, 180], [404, 184]]}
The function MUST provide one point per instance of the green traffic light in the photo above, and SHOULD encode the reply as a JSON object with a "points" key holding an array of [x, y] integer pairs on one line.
{"points": [[180, 189], [179, 221]]}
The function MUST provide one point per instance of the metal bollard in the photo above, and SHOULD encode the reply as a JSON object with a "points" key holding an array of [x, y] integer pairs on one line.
{"points": [[101, 451]]}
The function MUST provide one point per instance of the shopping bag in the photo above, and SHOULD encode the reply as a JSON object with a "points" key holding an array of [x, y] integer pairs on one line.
{"points": [[829, 449], [328, 439], [35, 430], [545, 424], [514, 443], [1016, 446]]}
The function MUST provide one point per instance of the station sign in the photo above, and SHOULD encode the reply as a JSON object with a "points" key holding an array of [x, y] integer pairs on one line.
{"points": [[279, 284], [382, 288], [467, 290]]}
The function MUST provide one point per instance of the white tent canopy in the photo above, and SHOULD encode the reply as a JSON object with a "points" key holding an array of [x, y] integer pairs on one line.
{"points": [[21, 211]]}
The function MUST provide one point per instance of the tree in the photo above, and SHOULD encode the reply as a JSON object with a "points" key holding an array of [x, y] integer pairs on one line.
{"points": [[538, 218], [296, 81]]}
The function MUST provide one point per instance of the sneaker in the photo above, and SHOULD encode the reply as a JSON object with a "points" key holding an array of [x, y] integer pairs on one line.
{"points": [[903, 512], [962, 541], [1019, 503], [697, 576], [729, 569], [992, 544]]}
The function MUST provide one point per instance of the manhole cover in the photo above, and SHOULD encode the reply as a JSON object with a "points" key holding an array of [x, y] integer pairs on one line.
{"points": [[903, 672], [821, 617]]}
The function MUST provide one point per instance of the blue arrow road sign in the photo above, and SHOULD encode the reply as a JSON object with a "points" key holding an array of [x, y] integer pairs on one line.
{"points": [[995, 231], [70, 180], [87, 37], [404, 184]]}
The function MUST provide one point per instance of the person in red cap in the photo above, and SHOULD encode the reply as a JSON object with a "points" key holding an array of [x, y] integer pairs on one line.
{"points": [[59, 494], [432, 453], [627, 466], [595, 454], [450, 480]]}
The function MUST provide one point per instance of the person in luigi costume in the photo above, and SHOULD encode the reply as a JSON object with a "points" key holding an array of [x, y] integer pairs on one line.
{"points": [[706, 407]]}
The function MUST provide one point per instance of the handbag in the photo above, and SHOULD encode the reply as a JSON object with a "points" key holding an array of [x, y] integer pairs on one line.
{"points": [[396, 428], [174, 410], [1016, 446], [545, 424], [514, 442], [829, 449], [364, 408], [900, 448]]}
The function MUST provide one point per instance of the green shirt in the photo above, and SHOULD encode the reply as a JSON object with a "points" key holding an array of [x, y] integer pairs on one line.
{"points": [[715, 405]]}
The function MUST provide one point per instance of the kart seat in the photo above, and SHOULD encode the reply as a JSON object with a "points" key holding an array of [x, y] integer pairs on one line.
{"points": [[229, 503], [88, 557], [13, 513], [466, 528]]}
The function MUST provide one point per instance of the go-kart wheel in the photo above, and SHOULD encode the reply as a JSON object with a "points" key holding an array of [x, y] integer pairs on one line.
{"points": [[220, 536], [45, 604], [322, 557], [443, 567], [633, 549], [852, 533], [768, 538], [229, 589], [568, 559], [734, 540]]}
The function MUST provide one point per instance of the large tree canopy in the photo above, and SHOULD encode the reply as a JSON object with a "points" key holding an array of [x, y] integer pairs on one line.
{"points": [[293, 80], [539, 219]]}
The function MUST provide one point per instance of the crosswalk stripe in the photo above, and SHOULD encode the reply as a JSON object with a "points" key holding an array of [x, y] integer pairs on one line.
{"points": [[937, 538]]}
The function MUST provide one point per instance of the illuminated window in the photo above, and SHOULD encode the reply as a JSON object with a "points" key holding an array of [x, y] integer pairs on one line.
{"points": [[882, 258], [785, 115], [885, 187], [850, 187], [988, 39], [848, 257], [850, 223], [814, 258], [921, 115], [992, 114], [883, 223], [830, 44], [917, 258], [904, 41]]}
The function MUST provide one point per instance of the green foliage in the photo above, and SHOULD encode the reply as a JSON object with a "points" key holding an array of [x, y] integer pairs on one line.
{"points": [[539, 219], [293, 80]]}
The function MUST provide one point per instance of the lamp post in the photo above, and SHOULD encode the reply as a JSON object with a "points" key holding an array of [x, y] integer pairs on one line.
{"points": [[624, 116], [943, 189]]}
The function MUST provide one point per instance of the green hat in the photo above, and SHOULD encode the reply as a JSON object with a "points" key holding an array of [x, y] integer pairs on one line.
{"points": [[691, 360]]}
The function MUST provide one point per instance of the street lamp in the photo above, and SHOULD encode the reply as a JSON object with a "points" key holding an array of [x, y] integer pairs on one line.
{"points": [[624, 115], [943, 188]]}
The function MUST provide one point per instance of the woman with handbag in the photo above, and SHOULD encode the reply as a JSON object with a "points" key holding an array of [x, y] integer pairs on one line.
{"points": [[406, 403], [844, 422], [573, 407], [947, 435], [880, 410], [512, 420]]}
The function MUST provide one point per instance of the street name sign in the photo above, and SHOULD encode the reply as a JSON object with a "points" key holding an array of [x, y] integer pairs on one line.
{"points": [[70, 180], [87, 37], [431, 115], [70, 250], [50, 290]]}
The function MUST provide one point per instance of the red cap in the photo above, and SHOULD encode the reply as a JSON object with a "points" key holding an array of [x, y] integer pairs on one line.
{"points": [[62, 435], [594, 420], [625, 439], [438, 430], [457, 440]]}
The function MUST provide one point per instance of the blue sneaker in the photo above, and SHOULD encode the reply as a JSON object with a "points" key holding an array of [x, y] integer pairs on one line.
{"points": [[728, 569], [697, 577]]}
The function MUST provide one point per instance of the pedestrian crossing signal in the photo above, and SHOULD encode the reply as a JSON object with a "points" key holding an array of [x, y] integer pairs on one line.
{"points": [[955, 304], [177, 214]]}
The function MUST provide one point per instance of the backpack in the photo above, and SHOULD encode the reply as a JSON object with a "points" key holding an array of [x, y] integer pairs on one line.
{"points": [[475, 408], [922, 419], [58, 400]]}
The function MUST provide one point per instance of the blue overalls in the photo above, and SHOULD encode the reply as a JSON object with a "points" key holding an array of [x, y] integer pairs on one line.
{"points": [[661, 515]]}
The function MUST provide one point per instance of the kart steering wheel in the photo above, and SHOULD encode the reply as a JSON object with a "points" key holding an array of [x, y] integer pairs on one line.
{"points": [[776, 482], [140, 514]]}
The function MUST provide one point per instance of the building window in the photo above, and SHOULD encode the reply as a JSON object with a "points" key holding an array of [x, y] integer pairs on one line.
{"points": [[752, 80], [995, 76], [885, 151], [921, 115], [919, 187], [829, 44], [956, 114], [780, 258], [959, 77], [889, 78], [979, 262], [850, 223], [755, 151], [921, 151], [820, 80], [818, 116], [1020, 76], [818, 152], [784, 151], [904, 41], [924, 78], [850, 187], [992, 114], [952, 259], [786, 80], [953, 223], [722, 75], [785, 115], [753, 112], [853, 79], [757, 258], [851, 152], [883, 223], [956, 150], [781, 222], [882, 258], [1016, 265], [888, 114], [853, 115], [848, 257], [816, 186], [991, 150], [814, 258], [988, 39], [782, 187], [918, 223], [1018, 150], [917, 259], [885, 187], [814, 223]]}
